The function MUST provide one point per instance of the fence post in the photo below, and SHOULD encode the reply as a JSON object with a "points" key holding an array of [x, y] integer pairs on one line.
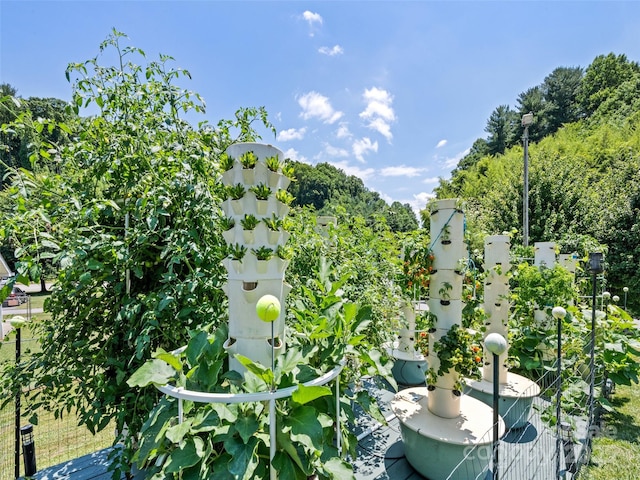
{"points": [[17, 425], [559, 313]]}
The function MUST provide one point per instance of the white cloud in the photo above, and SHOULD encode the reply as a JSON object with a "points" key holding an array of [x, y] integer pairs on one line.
{"points": [[401, 171], [312, 19], [361, 173], [316, 105], [291, 134], [379, 113], [335, 151], [441, 143], [295, 155], [452, 163], [420, 201], [331, 51], [364, 146], [343, 131], [431, 180]]}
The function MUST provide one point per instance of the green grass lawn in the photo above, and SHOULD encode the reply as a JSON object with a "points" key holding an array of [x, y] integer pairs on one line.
{"points": [[616, 453]]}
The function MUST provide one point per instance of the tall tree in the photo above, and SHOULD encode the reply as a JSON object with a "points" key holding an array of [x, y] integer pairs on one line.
{"points": [[533, 101], [502, 129], [560, 89], [602, 77]]}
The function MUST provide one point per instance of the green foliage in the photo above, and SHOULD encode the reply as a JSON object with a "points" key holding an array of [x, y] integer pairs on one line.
{"points": [[284, 196], [262, 253], [273, 163], [249, 221], [417, 265], [226, 162], [236, 192], [328, 190], [369, 257], [127, 215], [217, 438], [237, 251], [458, 350], [261, 191], [274, 223], [248, 160]]}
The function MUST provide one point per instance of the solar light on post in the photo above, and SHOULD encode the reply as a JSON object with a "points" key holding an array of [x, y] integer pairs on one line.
{"points": [[28, 450]]}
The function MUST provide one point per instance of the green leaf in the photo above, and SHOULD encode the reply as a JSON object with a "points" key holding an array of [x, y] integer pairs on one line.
{"points": [[305, 427], [244, 459], [196, 346], [152, 372], [187, 456], [337, 468], [171, 359], [305, 395], [94, 264], [247, 426], [287, 467], [177, 432], [164, 302]]}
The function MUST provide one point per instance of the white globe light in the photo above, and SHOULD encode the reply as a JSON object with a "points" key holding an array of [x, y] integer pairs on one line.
{"points": [[558, 312], [495, 343]]}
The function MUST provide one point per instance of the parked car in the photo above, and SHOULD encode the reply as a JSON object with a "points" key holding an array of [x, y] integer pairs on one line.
{"points": [[15, 298]]}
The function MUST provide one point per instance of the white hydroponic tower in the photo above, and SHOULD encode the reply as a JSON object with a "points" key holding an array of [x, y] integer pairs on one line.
{"points": [[442, 429], [516, 392], [250, 278]]}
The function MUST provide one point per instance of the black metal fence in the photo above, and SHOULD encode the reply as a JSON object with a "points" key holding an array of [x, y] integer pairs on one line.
{"points": [[555, 438], [53, 440]]}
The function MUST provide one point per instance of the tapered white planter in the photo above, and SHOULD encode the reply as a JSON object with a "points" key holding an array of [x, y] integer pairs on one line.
{"points": [[250, 279]]}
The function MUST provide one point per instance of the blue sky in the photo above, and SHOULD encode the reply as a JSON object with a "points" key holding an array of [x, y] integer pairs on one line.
{"points": [[393, 92]]}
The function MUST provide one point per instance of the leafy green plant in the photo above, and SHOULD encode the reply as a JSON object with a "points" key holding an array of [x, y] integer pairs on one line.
{"points": [[272, 163], [458, 350], [445, 295], [227, 223], [417, 266], [226, 162], [249, 221], [236, 192], [261, 191], [262, 253], [216, 440], [248, 160], [137, 251], [445, 235], [284, 252], [284, 196], [274, 223], [237, 251], [288, 170]]}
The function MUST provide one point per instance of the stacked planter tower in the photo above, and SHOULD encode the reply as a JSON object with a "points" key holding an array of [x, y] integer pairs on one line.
{"points": [[249, 277], [516, 392], [441, 428]]}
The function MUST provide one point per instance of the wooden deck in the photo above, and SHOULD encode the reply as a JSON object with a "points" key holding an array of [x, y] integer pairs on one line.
{"points": [[526, 453]]}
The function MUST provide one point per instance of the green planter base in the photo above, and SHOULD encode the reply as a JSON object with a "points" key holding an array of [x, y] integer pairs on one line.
{"points": [[439, 448], [516, 398]]}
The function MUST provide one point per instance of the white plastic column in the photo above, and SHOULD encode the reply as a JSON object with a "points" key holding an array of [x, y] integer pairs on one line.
{"points": [[248, 280], [445, 299], [496, 299]]}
